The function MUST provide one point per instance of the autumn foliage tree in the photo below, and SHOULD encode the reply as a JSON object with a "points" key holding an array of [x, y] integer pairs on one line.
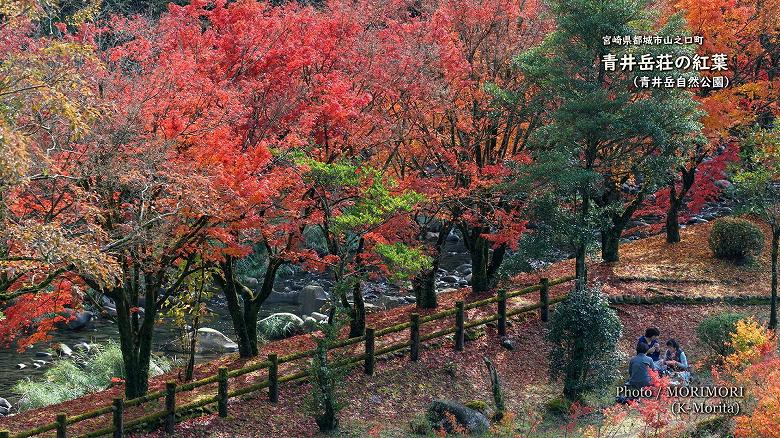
{"points": [[456, 138], [747, 32]]}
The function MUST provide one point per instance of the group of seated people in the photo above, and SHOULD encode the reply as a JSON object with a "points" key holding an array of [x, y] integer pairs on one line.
{"points": [[648, 357]]}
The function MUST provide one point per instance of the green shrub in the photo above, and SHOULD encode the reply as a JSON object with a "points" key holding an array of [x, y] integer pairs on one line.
{"points": [[715, 332], [478, 405], [736, 239], [82, 374], [419, 425], [584, 333], [558, 406]]}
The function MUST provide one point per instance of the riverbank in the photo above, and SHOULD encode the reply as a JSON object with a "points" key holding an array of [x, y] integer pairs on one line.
{"points": [[647, 267]]}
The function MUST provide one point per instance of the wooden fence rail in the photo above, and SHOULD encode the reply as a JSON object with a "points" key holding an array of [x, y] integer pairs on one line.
{"points": [[368, 358]]}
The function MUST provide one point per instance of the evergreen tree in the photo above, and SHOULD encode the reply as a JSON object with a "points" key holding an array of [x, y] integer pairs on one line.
{"points": [[610, 144]]}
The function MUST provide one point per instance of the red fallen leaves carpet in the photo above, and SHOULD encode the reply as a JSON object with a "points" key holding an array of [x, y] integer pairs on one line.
{"points": [[400, 389]]}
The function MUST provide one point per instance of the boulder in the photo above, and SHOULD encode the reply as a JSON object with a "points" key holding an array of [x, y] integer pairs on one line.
{"points": [[319, 317], [20, 366], [389, 302], [431, 236], [214, 341], [312, 298], [83, 347], [441, 412], [5, 407], [43, 354], [63, 350], [280, 326], [453, 237], [74, 320], [464, 269], [283, 297], [468, 278], [449, 279]]}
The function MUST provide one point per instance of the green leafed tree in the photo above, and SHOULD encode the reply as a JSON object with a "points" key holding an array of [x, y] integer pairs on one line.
{"points": [[757, 186], [609, 142], [584, 332], [365, 219]]}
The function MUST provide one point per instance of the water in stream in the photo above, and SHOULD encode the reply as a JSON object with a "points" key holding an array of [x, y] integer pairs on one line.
{"points": [[101, 329]]}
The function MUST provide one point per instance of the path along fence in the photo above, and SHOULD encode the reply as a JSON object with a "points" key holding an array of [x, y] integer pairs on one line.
{"points": [[168, 415]]}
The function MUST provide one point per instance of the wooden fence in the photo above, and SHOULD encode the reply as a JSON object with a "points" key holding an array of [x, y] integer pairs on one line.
{"points": [[168, 416]]}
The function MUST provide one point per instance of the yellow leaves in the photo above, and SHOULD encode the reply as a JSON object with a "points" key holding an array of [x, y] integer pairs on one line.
{"points": [[87, 13], [750, 342], [14, 158], [45, 247]]}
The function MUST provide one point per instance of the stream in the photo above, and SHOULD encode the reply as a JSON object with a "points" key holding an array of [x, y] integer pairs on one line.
{"points": [[101, 329]]}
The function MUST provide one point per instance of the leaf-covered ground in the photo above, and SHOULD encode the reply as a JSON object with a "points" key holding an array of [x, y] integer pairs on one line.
{"points": [[399, 390]]}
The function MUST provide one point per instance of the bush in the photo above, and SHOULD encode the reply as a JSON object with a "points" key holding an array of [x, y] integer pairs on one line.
{"points": [[715, 332], [736, 239], [584, 333], [82, 374]]}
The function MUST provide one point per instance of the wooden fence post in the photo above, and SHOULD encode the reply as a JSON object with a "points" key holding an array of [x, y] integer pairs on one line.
{"points": [[370, 344], [544, 299], [501, 312], [62, 426], [414, 337], [170, 407], [460, 332], [273, 378], [4, 434], [223, 391], [119, 417]]}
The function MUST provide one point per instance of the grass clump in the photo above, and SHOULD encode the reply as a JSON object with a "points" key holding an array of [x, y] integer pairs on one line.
{"points": [[82, 374]]}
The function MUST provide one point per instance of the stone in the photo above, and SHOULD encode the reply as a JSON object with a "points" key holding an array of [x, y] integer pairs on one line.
{"points": [[288, 296], [431, 236], [40, 362], [389, 302], [440, 413], [319, 317], [75, 320], [453, 237], [83, 346], [468, 278], [43, 354], [280, 325], [507, 343], [410, 299], [63, 350], [311, 298], [20, 366], [310, 324], [449, 279], [696, 220], [5, 407], [214, 341], [464, 269]]}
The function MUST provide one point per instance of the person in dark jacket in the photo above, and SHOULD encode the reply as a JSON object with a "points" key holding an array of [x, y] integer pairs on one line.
{"points": [[639, 367], [651, 339]]}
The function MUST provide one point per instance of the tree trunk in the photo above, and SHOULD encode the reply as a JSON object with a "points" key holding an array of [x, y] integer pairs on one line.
{"points": [[425, 283], [357, 323], [673, 217], [135, 341], [234, 307], [675, 203], [580, 269], [610, 243], [245, 318], [480, 259], [773, 300]]}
